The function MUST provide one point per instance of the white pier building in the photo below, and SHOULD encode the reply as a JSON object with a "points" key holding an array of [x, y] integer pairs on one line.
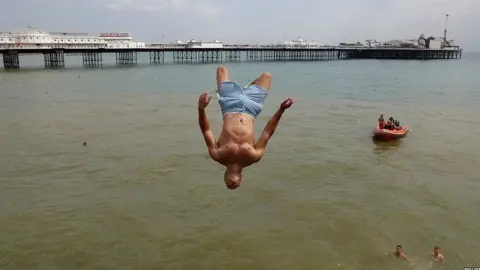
{"points": [[217, 44], [194, 44], [120, 41], [300, 43], [33, 38]]}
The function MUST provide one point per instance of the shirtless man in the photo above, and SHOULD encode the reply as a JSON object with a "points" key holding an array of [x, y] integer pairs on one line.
{"points": [[437, 256], [236, 147], [399, 253]]}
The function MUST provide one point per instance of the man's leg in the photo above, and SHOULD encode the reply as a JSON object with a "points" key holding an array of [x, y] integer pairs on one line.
{"points": [[256, 92], [228, 93], [222, 76], [264, 81], [253, 82]]}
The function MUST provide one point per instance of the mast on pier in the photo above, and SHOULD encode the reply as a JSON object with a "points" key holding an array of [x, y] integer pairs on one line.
{"points": [[445, 30]]}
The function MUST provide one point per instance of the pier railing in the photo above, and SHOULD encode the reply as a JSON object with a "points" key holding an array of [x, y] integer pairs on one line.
{"points": [[12, 46]]}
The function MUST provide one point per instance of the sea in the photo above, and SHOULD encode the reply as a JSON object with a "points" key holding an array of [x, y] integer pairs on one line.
{"points": [[143, 193]]}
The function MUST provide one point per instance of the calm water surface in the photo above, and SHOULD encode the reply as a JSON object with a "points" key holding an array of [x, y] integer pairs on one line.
{"points": [[143, 193]]}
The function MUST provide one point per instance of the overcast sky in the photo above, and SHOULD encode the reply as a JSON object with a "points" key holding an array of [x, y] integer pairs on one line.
{"points": [[251, 21]]}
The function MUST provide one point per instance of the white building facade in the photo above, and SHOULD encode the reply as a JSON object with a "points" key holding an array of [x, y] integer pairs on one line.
{"points": [[300, 43], [120, 41], [74, 40], [33, 38], [193, 44]]}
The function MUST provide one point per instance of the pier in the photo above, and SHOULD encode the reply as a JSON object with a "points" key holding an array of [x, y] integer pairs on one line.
{"points": [[54, 46], [93, 58]]}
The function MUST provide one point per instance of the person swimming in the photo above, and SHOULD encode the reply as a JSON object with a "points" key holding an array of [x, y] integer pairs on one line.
{"points": [[437, 256], [399, 253]]}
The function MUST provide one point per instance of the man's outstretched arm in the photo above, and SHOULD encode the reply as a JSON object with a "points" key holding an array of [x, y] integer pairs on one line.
{"points": [[205, 126], [207, 134], [270, 128]]}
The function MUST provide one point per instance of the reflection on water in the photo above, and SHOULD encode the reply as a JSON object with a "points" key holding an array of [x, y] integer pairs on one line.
{"points": [[381, 147]]}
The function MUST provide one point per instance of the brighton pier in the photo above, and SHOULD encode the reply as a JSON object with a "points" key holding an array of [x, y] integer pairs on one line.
{"points": [[55, 58], [54, 47]]}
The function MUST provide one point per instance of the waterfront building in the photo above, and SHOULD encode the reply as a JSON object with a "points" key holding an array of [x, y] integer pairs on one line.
{"points": [[299, 43], [33, 38], [357, 44], [120, 41], [217, 44]]}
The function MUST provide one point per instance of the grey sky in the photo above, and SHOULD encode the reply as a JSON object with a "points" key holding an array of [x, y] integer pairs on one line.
{"points": [[251, 21]]}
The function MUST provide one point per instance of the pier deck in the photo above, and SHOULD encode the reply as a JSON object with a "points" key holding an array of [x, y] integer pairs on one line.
{"points": [[93, 57]]}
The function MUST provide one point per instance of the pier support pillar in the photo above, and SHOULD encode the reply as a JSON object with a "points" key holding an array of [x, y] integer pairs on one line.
{"points": [[187, 57], [210, 56], [268, 55], [157, 57], [54, 59], [126, 58], [255, 55], [232, 56], [11, 60], [177, 57], [92, 59]]}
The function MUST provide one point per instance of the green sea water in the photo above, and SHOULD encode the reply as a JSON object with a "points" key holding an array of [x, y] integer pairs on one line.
{"points": [[143, 193]]}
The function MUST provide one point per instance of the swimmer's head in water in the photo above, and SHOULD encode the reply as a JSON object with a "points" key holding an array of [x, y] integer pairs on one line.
{"points": [[233, 176], [399, 249], [436, 250]]}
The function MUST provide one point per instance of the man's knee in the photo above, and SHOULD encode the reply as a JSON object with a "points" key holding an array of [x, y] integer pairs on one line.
{"points": [[264, 80], [222, 69], [266, 75], [222, 75]]}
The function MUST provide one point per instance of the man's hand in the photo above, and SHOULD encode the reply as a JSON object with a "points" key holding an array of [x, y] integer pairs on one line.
{"points": [[203, 100], [286, 103]]}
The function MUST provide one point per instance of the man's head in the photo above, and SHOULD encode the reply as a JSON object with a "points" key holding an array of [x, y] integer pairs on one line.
{"points": [[436, 250], [233, 176], [399, 249]]}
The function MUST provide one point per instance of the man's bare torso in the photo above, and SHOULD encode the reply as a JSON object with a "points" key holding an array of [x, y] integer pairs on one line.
{"points": [[236, 143]]}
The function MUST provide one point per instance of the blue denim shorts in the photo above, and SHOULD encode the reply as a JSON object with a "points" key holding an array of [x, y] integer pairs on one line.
{"points": [[235, 99]]}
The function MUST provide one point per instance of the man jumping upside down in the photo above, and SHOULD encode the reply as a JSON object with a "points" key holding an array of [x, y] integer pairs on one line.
{"points": [[236, 147]]}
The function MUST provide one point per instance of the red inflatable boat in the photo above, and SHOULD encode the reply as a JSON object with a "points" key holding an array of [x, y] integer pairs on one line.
{"points": [[390, 134]]}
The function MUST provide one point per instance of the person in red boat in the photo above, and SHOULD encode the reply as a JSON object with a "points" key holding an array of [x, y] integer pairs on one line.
{"points": [[381, 122], [397, 125], [390, 124]]}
